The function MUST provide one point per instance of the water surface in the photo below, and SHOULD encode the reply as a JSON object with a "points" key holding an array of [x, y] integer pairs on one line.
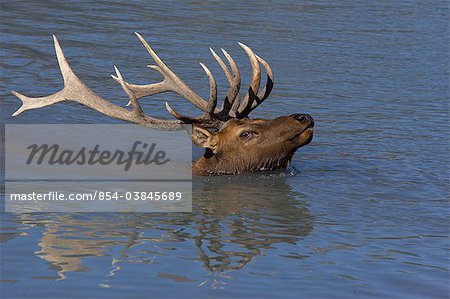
{"points": [[366, 213]]}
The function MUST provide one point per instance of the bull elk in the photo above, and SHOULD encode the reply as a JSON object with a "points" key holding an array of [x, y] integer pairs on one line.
{"points": [[233, 142]]}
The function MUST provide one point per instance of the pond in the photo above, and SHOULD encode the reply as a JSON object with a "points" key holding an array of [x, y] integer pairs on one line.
{"points": [[363, 213]]}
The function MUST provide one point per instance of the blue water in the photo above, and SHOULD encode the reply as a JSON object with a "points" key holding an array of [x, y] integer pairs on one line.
{"points": [[367, 213]]}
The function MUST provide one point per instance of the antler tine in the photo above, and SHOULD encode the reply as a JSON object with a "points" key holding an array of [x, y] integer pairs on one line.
{"points": [[256, 79], [253, 99], [137, 109], [265, 92], [202, 120], [222, 64], [208, 117], [137, 89], [233, 93], [75, 90], [234, 79], [133, 100], [171, 82], [67, 74], [182, 117], [212, 103]]}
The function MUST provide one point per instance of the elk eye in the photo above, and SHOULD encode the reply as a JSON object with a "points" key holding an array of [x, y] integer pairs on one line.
{"points": [[246, 135]]}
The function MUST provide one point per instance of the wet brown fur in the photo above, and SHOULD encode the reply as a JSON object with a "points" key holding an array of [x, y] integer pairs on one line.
{"points": [[271, 145]]}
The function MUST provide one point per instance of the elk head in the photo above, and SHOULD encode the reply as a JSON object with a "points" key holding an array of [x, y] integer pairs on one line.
{"points": [[233, 142]]}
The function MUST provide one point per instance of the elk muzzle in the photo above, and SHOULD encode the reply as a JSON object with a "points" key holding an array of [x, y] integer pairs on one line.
{"points": [[304, 129]]}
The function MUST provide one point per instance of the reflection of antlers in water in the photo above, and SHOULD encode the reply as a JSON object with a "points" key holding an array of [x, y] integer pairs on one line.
{"points": [[233, 219], [224, 263], [66, 241], [236, 213]]}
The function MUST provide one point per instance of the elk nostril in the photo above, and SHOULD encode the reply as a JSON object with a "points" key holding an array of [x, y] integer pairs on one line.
{"points": [[300, 117]]}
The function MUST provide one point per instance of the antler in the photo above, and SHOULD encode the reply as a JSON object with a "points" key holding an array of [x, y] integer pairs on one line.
{"points": [[75, 90], [232, 107]]}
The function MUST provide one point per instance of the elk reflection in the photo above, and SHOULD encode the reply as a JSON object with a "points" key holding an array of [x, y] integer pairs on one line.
{"points": [[233, 221], [239, 217]]}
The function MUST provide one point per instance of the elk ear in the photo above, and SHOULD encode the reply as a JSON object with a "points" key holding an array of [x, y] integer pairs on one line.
{"points": [[204, 138]]}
